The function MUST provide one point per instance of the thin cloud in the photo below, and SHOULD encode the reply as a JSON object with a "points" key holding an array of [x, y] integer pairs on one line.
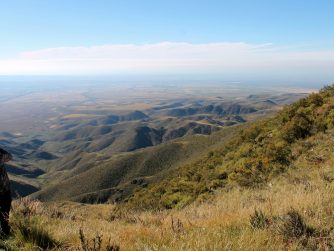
{"points": [[172, 58]]}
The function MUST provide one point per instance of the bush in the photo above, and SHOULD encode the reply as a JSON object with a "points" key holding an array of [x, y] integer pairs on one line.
{"points": [[294, 229], [279, 152], [292, 226], [299, 127], [330, 120], [176, 200], [316, 99], [258, 220], [250, 173]]}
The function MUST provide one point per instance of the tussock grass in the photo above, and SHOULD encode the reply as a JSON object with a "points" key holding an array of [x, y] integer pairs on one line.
{"points": [[30, 232], [28, 229], [294, 212], [96, 244], [259, 220]]}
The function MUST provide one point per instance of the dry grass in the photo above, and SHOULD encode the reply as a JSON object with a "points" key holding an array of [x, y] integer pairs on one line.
{"points": [[300, 198], [223, 223]]}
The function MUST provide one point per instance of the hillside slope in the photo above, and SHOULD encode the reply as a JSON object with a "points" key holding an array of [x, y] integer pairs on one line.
{"points": [[255, 155], [168, 175], [90, 136], [93, 178]]}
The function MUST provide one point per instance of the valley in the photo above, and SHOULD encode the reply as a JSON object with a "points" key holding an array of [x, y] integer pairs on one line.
{"points": [[100, 143]]}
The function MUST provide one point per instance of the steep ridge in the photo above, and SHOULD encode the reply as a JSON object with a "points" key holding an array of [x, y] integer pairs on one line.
{"points": [[221, 109]]}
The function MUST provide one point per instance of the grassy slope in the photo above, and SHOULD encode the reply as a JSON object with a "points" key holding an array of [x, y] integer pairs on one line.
{"points": [[220, 223], [295, 207], [257, 153]]}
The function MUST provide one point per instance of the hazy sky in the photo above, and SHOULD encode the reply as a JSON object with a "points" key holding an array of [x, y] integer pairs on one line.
{"points": [[248, 38]]}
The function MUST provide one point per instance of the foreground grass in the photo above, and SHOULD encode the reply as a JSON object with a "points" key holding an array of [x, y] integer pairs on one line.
{"points": [[220, 223]]}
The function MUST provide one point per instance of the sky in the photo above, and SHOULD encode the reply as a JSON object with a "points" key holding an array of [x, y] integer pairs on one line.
{"points": [[239, 39]]}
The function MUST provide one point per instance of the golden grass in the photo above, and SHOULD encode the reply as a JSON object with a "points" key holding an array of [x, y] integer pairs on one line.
{"points": [[220, 223]]}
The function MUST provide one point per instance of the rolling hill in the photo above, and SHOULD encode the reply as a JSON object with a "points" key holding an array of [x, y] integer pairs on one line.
{"points": [[117, 147], [101, 163], [114, 179]]}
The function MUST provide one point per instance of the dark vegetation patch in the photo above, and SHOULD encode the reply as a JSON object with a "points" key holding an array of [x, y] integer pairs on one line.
{"points": [[33, 173], [20, 189], [292, 227]]}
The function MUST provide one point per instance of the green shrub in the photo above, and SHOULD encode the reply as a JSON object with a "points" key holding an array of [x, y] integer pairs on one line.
{"points": [[330, 120], [176, 200], [250, 173], [315, 99], [298, 127]]}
